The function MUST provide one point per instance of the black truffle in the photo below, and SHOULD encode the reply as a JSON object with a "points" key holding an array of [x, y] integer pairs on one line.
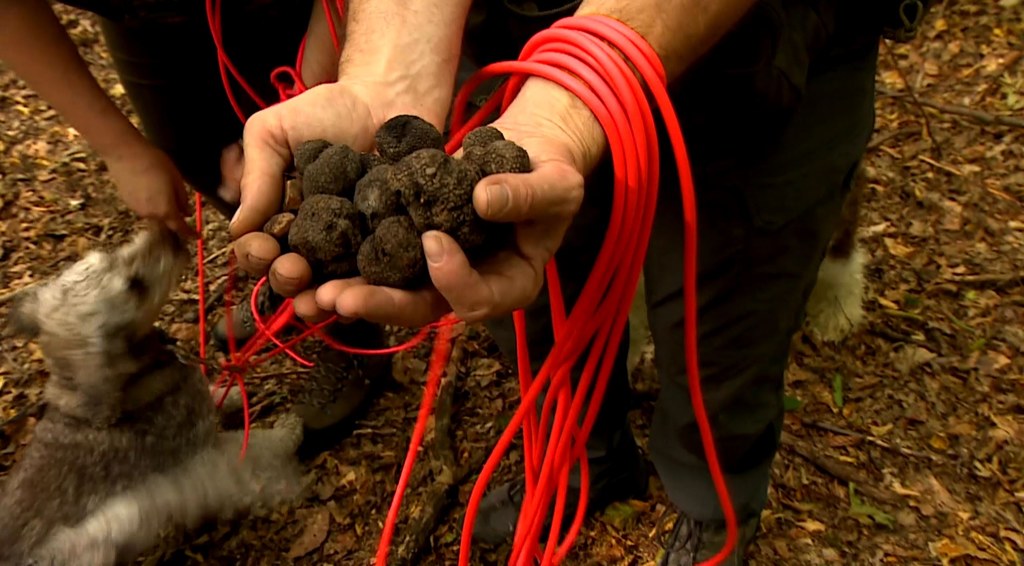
{"points": [[378, 195], [307, 152], [482, 137], [437, 190], [371, 160], [334, 172], [327, 233], [500, 156], [404, 134], [393, 256]]}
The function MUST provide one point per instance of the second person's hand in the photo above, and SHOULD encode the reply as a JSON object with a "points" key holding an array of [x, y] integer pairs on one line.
{"points": [[150, 185]]}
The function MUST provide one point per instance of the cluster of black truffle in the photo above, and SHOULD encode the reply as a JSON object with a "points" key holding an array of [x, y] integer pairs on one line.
{"points": [[351, 213]]}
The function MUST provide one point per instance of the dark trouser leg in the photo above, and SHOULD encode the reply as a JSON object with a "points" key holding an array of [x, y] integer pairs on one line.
{"points": [[575, 260], [170, 73], [765, 223]]}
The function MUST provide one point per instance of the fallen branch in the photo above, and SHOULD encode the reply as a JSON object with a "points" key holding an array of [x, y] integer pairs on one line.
{"points": [[928, 132], [869, 438], [894, 336], [882, 138], [839, 470], [441, 460], [997, 280], [980, 116]]}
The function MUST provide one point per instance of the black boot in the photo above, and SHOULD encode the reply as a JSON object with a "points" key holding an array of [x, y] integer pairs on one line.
{"points": [[341, 386], [692, 542], [618, 475]]}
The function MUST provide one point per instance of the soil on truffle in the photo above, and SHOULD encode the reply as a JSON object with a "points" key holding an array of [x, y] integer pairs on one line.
{"points": [[393, 255], [327, 233]]}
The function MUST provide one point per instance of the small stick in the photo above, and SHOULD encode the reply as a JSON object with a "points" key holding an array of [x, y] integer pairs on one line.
{"points": [[442, 456], [981, 116], [839, 470], [998, 280], [882, 138], [913, 96], [870, 438]]}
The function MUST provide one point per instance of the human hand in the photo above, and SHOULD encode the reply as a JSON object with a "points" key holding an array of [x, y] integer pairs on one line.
{"points": [[564, 142], [348, 112], [151, 186]]}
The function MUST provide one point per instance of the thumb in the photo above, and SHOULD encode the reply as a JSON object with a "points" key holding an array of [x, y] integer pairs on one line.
{"points": [[554, 188], [266, 157]]}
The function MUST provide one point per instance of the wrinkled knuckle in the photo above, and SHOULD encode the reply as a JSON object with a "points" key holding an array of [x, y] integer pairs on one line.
{"points": [[574, 194], [525, 202]]}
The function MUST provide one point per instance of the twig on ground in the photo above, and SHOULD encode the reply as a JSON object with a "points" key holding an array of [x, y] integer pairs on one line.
{"points": [[441, 458], [996, 280], [913, 96], [980, 116], [1010, 61], [839, 470], [882, 138], [894, 336], [217, 254], [869, 438]]}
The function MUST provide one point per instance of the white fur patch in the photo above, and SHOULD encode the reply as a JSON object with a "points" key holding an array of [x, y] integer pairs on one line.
{"points": [[836, 305]]}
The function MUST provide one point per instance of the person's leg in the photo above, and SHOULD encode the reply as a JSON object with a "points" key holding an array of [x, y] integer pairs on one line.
{"points": [[766, 218], [616, 468]]}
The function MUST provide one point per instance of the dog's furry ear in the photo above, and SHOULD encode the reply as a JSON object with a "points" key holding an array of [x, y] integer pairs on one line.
{"points": [[24, 315]]}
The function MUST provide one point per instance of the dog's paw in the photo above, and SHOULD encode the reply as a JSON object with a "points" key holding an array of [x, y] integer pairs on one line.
{"points": [[836, 305]]}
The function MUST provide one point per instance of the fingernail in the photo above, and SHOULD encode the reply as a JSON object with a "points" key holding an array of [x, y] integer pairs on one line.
{"points": [[498, 199], [234, 217], [433, 248]]}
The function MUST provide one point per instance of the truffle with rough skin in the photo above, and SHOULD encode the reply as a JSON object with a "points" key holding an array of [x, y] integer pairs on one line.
{"points": [[404, 134], [334, 172], [307, 152], [500, 156], [327, 233], [371, 160], [482, 137], [393, 256], [437, 190], [378, 195]]}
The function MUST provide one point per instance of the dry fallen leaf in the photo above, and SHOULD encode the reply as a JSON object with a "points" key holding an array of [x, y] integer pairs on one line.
{"points": [[812, 526], [318, 523]]}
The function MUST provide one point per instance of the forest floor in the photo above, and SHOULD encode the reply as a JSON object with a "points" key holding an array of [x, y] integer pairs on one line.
{"points": [[904, 444]]}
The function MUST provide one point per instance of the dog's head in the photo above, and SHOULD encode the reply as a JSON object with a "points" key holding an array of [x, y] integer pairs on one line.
{"points": [[106, 298]]}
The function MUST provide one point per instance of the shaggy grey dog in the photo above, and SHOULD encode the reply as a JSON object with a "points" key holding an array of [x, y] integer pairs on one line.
{"points": [[128, 445]]}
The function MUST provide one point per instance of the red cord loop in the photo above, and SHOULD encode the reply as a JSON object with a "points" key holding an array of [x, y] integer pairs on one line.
{"points": [[588, 56]]}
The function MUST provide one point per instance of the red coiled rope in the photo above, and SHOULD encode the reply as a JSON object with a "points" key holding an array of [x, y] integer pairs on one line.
{"points": [[577, 54]]}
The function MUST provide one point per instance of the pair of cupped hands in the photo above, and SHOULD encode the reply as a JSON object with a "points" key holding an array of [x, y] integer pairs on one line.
{"points": [[563, 140]]}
